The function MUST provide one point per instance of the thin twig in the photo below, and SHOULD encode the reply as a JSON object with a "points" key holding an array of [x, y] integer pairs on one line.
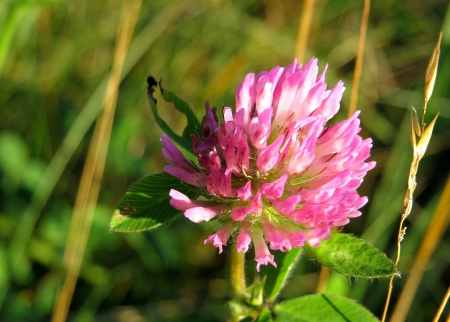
{"points": [[359, 58], [93, 171]]}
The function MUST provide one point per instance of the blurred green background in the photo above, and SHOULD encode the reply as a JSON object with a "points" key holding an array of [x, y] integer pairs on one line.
{"points": [[55, 57]]}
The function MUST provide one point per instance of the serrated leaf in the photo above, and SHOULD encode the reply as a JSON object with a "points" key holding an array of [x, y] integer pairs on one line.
{"points": [[264, 316], [322, 307], [192, 126], [351, 256], [277, 277], [146, 205]]}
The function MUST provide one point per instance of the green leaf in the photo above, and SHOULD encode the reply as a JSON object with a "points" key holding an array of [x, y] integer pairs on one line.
{"points": [[193, 124], [146, 205], [322, 307], [348, 255], [265, 316], [277, 277]]}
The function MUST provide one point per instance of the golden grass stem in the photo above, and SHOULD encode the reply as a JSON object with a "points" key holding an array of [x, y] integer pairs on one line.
{"points": [[304, 29], [438, 225], [323, 279], [75, 135], [359, 58], [419, 148], [94, 167], [407, 203], [442, 306]]}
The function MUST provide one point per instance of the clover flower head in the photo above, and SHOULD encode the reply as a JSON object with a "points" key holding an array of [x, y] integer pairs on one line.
{"points": [[272, 173]]}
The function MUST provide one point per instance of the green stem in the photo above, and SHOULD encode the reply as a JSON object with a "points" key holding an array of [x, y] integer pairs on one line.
{"points": [[238, 308], [237, 271]]}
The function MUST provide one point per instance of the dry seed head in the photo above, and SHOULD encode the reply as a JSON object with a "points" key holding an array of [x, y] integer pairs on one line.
{"points": [[430, 75], [425, 138], [415, 121], [412, 135]]}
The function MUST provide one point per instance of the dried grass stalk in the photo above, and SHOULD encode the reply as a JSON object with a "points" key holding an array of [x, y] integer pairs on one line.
{"points": [[94, 167], [419, 149]]}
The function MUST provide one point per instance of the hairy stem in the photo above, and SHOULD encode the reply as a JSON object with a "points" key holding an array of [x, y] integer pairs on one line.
{"points": [[237, 271]]}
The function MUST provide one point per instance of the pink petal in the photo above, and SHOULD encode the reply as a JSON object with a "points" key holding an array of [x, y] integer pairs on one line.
{"points": [[172, 155], [199, 214], [330, 105], [245, 97], [296, 239], [274, 190], [299, 161], [239, 213], [225, 183], [288, 205], [311, 102], [268, 157], [266, 83], [196, 179], [262, 254], [315, 237], [211, 118], [229, 154], [321, 78], [245, 193], [306, 83], [306, 214], [243, 153], [259, 128], [244, 238], [182, 202], [220, 238], [227, 114], [277, 241], [287, 95]]}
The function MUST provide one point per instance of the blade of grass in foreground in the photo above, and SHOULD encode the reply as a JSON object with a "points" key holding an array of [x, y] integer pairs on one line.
{"points": [[76, 134], [94, 168]]}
